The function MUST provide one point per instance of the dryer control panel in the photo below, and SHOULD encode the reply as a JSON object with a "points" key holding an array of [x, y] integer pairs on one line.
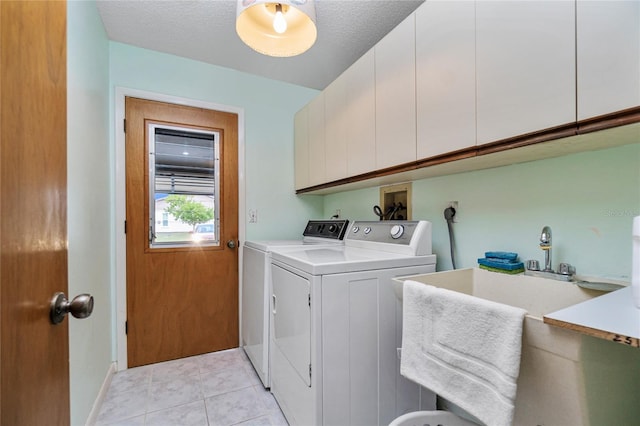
{"points": [[334, 229]]}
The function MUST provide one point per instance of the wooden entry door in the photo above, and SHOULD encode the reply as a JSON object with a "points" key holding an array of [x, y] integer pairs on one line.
{"points": [[181, 301], [34, 354]]}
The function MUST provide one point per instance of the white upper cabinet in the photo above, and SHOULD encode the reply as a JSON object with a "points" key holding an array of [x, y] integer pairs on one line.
{"points": [[301, 147], [336, 124], [445, 77], [608, 56], [361, 115], [457, 74], [395, 76], [316, 135], [525, 67]]}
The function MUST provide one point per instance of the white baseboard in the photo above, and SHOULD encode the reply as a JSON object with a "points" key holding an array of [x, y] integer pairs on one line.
{"points": [[97, 404]]}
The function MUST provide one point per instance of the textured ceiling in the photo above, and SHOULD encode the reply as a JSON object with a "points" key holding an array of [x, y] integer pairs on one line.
{"points": [[205, 31]]}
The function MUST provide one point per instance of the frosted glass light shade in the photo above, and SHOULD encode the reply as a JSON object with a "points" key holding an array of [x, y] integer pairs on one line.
{"points": [[254, 25]]}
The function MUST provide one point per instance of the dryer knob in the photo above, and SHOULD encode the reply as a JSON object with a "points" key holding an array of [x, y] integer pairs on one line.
{"points": [[397, 231]]}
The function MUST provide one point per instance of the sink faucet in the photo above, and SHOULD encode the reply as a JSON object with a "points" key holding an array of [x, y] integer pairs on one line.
{"points": [[545, 244], [565, 271]]}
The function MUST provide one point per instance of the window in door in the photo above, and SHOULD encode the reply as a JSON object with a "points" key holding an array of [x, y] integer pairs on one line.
{"points": [[183, 186]]}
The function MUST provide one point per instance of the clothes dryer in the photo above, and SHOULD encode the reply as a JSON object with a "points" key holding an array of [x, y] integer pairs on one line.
{"points": [[256, 286]]}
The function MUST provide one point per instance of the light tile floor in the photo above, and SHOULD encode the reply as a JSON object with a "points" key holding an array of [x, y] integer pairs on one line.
{"points": [[215, 389]]}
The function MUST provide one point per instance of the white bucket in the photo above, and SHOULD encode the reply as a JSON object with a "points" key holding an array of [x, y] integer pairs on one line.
{"points": [[430, 418]]}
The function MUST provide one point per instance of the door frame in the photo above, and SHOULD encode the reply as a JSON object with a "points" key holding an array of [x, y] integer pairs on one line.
{"points": [[120, 202]]}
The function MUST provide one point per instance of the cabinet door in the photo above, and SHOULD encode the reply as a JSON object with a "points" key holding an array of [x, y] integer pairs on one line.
{"points": [[608, 56], [525, 67], [335, 108], [361, 115], [316, 141], [445, 77], [395, 76], [301, 147]]}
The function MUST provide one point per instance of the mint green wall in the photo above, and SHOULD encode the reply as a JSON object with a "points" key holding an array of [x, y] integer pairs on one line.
{"points": [[588, 199], [269, 107], [89, 186], [95, 67]]}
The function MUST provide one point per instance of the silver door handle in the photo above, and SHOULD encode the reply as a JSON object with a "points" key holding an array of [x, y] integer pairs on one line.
{"points": [[80, 307], [273, 309], [231, 244]]}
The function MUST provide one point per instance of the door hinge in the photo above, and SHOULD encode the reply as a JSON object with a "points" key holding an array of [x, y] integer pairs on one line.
{"points": [[124, 125], [309, 299], [309, 371], [126, 327], [125, 226]]}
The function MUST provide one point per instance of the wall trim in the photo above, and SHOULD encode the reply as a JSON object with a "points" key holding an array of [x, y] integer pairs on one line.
{"points": [[120, 201], [97, 404]]}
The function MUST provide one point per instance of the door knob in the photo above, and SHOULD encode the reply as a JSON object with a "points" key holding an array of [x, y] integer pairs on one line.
{"points": [[231, 244], [80, 307]]}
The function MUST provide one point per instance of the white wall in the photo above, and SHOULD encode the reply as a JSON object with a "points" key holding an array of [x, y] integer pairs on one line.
{"points": [[89, 189], [588, 199]]}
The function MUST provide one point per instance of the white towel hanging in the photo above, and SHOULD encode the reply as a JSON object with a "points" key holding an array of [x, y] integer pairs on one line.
{"points": [[464, 348]]}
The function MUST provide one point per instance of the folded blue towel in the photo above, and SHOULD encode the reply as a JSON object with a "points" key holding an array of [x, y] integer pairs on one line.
{"points": [[502, 255], [502, 261], [506, 266]]}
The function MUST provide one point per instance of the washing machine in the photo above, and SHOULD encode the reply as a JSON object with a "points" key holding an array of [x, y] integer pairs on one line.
{"points": [[336, 325], [256, 287]]}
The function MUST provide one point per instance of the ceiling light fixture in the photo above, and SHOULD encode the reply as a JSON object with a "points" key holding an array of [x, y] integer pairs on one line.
{"points": [[284, 28]]}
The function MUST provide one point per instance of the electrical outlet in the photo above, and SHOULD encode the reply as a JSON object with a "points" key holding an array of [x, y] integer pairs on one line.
{"points": [[454, 204], [253, 216]]}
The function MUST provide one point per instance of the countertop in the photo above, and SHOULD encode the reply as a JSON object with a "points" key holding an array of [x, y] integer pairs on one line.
{"points": [[612, 316]]}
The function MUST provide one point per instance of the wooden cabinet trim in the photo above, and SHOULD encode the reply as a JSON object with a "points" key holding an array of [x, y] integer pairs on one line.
{"points": [[603, 122], [609, 121]]}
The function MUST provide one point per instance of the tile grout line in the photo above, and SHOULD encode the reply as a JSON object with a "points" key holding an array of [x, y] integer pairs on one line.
{"points": [[233, 360]]}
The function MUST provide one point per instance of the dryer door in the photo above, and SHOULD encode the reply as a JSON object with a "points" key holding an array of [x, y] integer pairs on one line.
{"points": [[292, 320]]}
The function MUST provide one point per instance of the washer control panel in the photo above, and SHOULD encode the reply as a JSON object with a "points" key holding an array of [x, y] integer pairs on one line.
{"points": [[387, 231], [397, 236]]}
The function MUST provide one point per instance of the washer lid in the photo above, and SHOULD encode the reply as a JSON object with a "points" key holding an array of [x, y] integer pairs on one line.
{"points": [[339, 259]]}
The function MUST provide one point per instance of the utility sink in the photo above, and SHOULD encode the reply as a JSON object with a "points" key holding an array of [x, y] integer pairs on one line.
{"points": [[566, 378]]}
